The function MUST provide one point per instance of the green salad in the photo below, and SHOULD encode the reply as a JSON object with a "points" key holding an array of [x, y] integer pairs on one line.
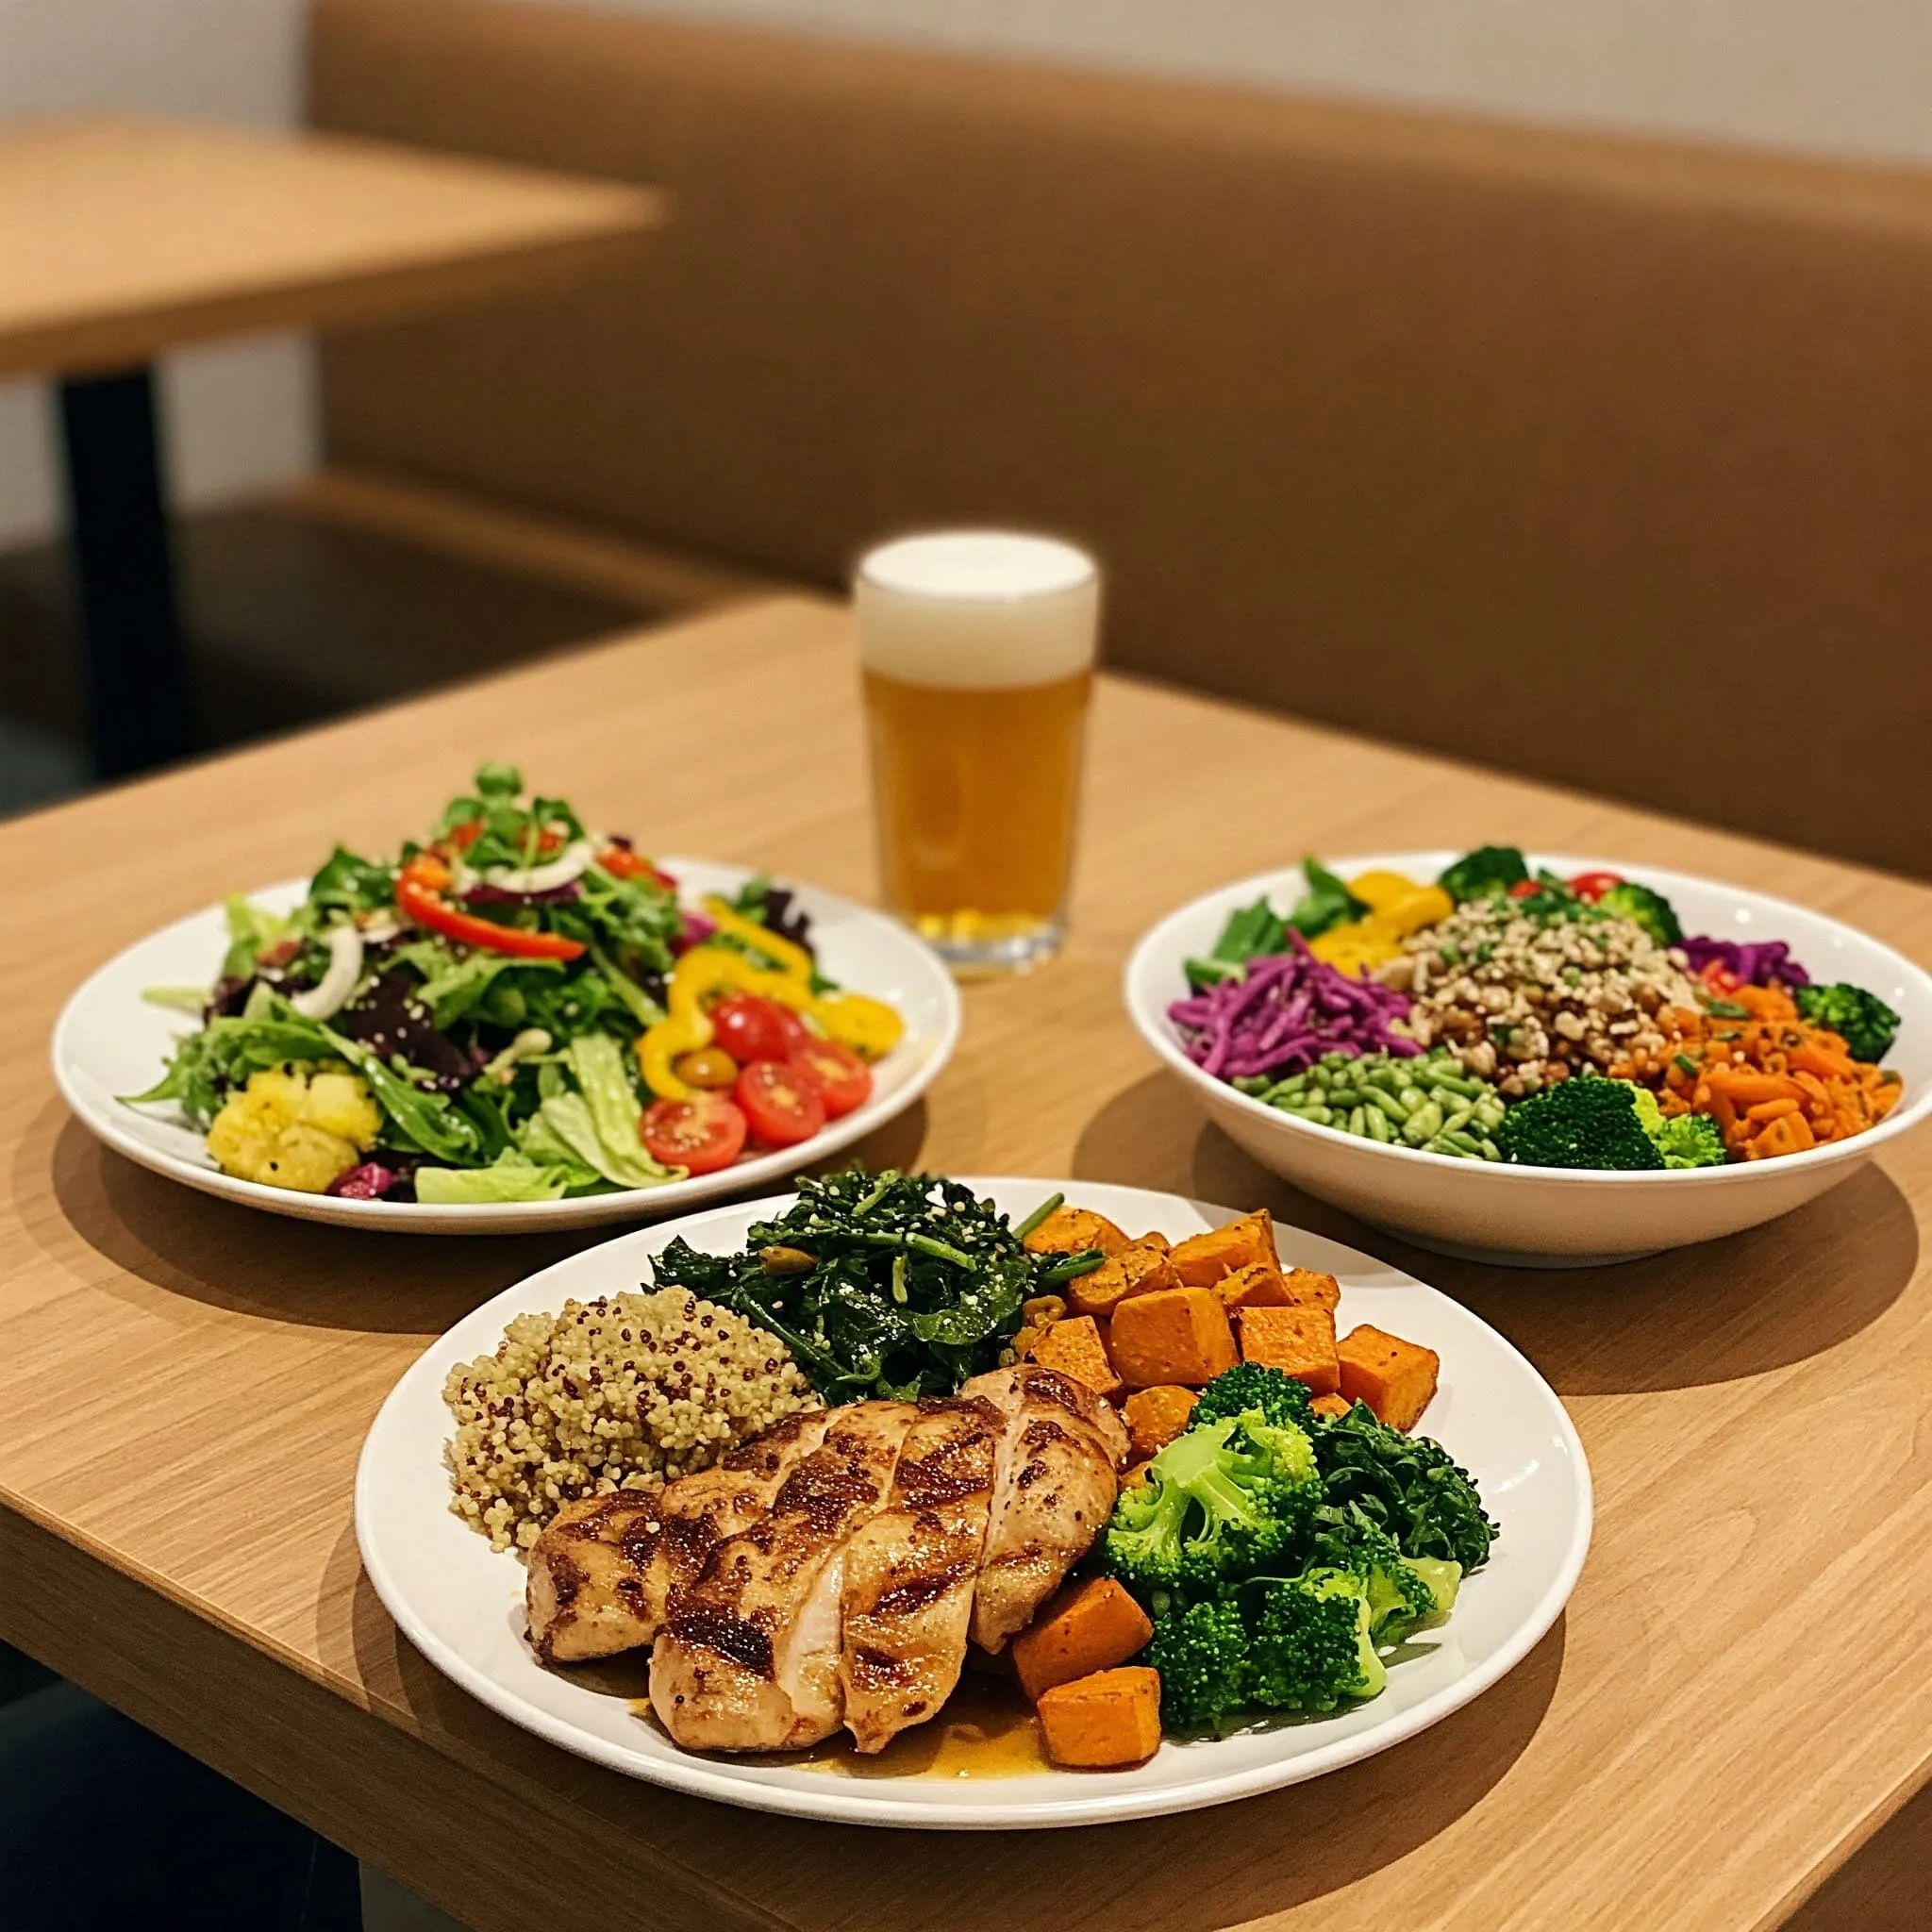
{"points": [[463, 1023]]}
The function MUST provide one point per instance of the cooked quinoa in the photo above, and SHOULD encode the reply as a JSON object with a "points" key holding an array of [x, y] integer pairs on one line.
{"points": [[626, 1392], [1525, 1004]]}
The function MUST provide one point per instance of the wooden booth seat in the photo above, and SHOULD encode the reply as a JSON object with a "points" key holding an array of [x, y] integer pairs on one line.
{"points": [[1606, 461]]}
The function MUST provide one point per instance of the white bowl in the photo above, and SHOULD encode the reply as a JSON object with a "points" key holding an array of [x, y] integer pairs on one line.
{"points": [[1539, 1216], [110, 1042]]}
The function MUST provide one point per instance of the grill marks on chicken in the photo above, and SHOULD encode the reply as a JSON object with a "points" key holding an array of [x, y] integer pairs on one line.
{"points": [[604, 1573], [749, 1658], [1054, 1489], [832, 1570], [909, 1573]]}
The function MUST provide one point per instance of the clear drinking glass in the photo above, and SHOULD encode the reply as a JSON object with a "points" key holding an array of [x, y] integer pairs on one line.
{"points": [[977, 650]]}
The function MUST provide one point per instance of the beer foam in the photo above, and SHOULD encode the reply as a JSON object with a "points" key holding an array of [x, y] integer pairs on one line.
{"points": [[977, 610]]}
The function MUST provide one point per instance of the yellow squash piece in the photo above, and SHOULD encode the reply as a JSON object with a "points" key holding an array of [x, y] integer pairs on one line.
{"points": [[294, 1127]]}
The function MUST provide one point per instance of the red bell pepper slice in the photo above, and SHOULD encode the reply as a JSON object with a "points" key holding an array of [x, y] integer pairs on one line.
{"points": [[623, 863], [419, 893]]}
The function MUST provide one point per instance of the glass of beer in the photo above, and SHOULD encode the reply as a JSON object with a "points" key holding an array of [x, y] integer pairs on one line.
{"points": [[977, 649]]}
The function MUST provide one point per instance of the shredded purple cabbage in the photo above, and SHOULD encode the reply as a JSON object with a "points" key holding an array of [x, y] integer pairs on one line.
{"points": [[1287, 1011], [1758, 962]]}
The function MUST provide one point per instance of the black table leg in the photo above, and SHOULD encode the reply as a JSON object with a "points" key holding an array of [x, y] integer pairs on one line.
{"points": [[136, 673]]}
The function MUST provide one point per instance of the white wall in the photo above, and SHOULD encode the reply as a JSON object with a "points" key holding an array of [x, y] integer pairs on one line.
{"points": [[1845, 77], [239, 414]]}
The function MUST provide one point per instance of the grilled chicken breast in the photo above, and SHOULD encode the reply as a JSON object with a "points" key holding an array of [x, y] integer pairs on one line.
{"points": [[909, 1573], [607, 1569], [748, 1660], [1056, 1479]]}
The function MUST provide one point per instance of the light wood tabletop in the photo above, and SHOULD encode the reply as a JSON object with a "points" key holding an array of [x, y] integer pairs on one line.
{"points": [[121, 238], [1739, 1692]]}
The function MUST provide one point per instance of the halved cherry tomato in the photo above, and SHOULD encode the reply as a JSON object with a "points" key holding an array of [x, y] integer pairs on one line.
{"points": [[844, 1080], [707, 1066], [749, 1029], [784, 1105], [1591, 885], [1525, 888], [1720, 978], [700, 1135]]}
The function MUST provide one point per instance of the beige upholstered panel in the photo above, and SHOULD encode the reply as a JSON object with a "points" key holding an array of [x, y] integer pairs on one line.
{"points": [[1606, 460]]}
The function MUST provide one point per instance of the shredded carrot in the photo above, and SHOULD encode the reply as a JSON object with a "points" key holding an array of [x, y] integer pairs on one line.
{"points": [[1774, 1084]]}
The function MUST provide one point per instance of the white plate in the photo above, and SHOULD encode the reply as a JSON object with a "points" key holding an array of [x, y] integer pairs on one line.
{"points": [[109, 1040], [461, 1604], [1540, 1216]]}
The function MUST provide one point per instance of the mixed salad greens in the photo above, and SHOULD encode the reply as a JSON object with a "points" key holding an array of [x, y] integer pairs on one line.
{"points": [[1509, 1014], [890, 1285], [514, 1009]]}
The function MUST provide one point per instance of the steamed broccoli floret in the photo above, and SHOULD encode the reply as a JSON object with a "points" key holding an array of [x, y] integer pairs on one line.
{"points": [[1861, 1019], [1203, 1654], [1587, 1121], [1488, 869], [1405, 1487], [1311, 1645], [1687, 1139], [1220, 1502], [1403, 1590], [1280, 1398], [1643, 906]]}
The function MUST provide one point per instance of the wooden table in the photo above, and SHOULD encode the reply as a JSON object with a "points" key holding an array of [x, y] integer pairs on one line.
{"points": [[1739, 1692], [119, 239]]}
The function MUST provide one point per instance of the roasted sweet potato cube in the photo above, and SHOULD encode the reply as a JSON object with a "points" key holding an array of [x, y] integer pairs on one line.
{"points": [[1088, 1626], [1155, 1416], [1075, 1347], [1201, 1259], [1176, 1335], [1307, 1287], [1072, 1231], [1396, 1378], [1254, 1286], [1298, 1342], [1153, 1239], [1135, 1270], [1333, 1406], [1110, 1718]]}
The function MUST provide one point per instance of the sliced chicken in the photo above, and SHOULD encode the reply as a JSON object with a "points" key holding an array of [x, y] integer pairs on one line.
{"points": [[909, 1572], [1056, 1479], [748, 1660], [607, 1569]]}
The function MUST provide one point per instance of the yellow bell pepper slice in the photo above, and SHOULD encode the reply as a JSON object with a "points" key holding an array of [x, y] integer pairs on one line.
{"points": [[869, 1027], [1377, 889], [1421, 906], [789, 957]]}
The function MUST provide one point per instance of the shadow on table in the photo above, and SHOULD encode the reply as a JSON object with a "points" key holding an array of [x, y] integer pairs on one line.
{"points": [[1264, 1854], [267, 1265], [1739, 1307]]}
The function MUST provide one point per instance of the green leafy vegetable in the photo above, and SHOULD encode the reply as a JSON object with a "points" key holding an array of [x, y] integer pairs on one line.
{"points": [[908, 1286], [1861, 1019]]}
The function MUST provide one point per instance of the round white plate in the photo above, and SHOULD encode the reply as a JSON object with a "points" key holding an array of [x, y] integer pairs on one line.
{"points": [[461, 1602], [109, 1040], [1541, 1216]]}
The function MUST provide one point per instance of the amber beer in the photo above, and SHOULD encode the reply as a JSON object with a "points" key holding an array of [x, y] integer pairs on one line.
{"points": [[977, 649]]}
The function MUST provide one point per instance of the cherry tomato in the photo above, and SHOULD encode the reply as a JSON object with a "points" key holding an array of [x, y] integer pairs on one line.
{"points": [[784, 1105], [1720, 978], [1591, 885], [844, 1080], [707, 1066], [700, 1135], [750, 1029], [797, 1034], [1525, 888]]}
